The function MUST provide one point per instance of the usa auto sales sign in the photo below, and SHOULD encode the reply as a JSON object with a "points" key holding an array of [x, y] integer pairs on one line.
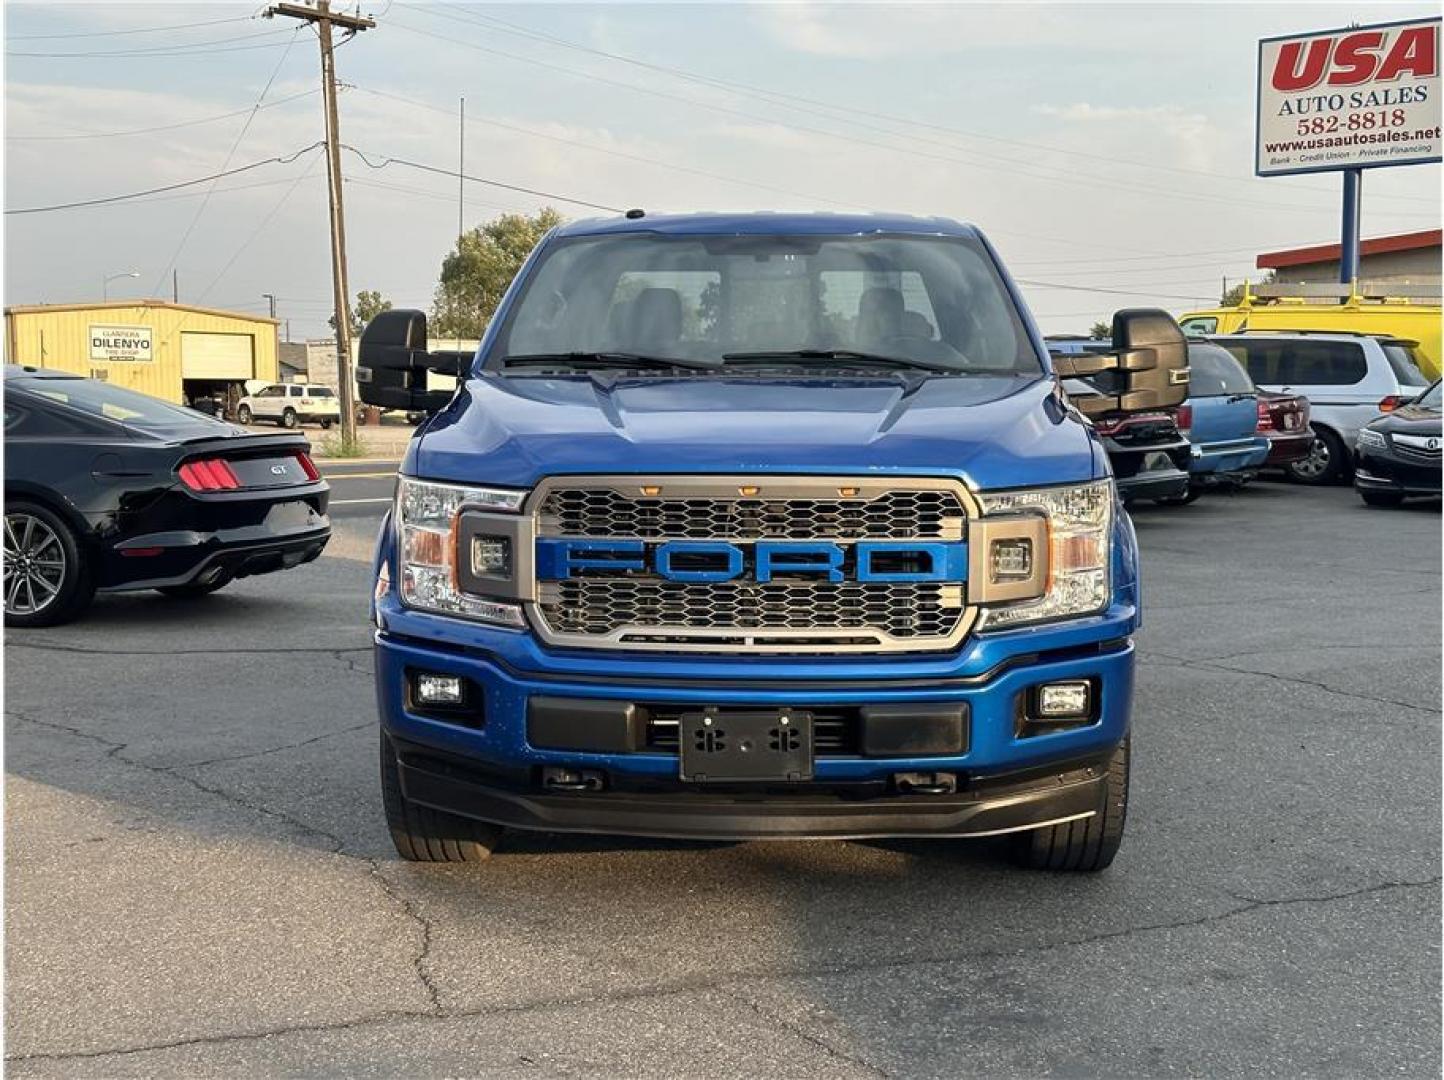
{"points": [[1356, 98]]}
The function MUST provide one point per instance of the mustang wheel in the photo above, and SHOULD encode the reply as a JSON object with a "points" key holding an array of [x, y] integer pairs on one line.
{"points": [[45, 581]]}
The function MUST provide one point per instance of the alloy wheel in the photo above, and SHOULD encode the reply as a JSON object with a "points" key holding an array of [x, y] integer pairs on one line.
{"points": [[1316, 463], [34, 565]]}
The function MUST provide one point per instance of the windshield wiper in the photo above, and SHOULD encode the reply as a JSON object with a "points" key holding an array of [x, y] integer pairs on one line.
{"points": [[850, 357], [585, 359]]}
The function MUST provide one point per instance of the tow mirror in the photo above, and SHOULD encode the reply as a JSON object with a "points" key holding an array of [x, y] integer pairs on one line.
{"points": [[1146, 369], [392, 364]]}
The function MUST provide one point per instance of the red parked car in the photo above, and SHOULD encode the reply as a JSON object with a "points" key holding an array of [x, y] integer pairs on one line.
{"points": [[1284, 418]]}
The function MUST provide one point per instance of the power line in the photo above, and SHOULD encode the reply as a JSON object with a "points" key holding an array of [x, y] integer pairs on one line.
{"points": [[161, 127], [385, 161], [285, 159], [613, 153], [780, 97], [1113, 292], [192, 48], [1070, 178], [138, 30], [235, 145]]}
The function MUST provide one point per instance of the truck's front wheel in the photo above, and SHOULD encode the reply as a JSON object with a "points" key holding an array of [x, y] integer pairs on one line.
{"points": [[422, 834], [1091, 843]]}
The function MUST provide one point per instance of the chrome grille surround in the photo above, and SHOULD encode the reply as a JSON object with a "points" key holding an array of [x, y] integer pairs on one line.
{"points": [[648, 613]]}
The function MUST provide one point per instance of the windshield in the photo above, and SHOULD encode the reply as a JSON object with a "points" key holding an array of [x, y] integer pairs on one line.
{"points": [[711, 300], [113, 403]]}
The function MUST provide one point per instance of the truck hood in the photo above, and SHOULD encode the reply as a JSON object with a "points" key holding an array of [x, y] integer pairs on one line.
{"points": [[994, 432]]}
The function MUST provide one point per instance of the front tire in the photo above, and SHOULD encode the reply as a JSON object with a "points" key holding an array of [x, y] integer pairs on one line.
{"points": [[288, 418], [1087, 845], [244, 415], [325, 425], [1381, 498], [45, 579], [422, 834], [1326, 461]]}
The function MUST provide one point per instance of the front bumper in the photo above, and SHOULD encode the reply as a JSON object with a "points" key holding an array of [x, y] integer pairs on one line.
{"points": [[1371, 474], [448, 783], [484, 764]]}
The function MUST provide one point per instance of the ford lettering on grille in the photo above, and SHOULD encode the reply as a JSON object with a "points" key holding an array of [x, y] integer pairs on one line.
{"points": [[765, 560], [755, 564]]}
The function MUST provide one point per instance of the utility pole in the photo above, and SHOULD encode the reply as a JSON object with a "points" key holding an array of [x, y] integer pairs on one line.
{"points": [[460, 193], [272, 299], [324, 19], [174, 286]]}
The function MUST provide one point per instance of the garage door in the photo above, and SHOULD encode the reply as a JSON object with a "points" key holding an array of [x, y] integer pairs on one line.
{"points": [[217, 356]]}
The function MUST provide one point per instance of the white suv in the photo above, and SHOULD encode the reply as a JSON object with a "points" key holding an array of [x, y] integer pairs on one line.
{"points": [[1349, 380], [289, 404]]}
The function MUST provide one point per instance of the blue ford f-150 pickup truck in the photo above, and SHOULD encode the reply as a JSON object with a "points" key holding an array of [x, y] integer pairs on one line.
{"points": [[759, 526]]}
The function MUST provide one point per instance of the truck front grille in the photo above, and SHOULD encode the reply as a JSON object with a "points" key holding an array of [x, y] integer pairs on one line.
{"points": [[641, 610]]}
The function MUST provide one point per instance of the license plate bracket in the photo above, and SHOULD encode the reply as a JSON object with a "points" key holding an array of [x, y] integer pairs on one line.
{"points": [[727, 746]]}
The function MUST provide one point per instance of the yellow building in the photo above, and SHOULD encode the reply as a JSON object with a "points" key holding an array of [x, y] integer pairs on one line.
{"points": [[170, 351]]}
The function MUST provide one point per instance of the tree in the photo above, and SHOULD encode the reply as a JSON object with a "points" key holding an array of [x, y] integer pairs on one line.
{"points": [[369, 304], [477, 271], [1101, 331], [1234, 296]]}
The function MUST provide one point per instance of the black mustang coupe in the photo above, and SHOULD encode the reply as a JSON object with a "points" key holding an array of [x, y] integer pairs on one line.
{"points": [[107, 490]]}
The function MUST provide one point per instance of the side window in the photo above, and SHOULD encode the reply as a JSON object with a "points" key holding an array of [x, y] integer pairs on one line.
{"points": [[1199, 326], [296, 391], [26, 420], [1323, 363]]}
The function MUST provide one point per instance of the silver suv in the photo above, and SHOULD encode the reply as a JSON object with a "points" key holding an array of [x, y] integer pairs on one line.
{"points": [[1349, 380]]}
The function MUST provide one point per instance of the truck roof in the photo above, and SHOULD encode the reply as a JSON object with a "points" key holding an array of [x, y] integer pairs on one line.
{"points": [[766, 223]]}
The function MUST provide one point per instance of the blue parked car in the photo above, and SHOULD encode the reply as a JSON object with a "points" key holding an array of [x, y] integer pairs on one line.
{"points": [[1220, 419]]}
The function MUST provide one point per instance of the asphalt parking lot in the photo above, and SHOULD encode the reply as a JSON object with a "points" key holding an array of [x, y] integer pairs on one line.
{"points": [[199, 880]]}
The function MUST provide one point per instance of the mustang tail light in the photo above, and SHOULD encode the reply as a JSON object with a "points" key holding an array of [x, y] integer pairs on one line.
{"points": [[209, 474], [308, 466]]}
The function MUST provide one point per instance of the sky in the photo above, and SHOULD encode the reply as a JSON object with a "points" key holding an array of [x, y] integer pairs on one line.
{"points": [[1105, 149]]}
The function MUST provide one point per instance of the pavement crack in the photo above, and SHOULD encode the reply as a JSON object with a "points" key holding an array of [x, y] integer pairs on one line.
{"points": [[775, 1021], [1297, 680], [420, 962], [737, 980], [226, 650], [271, 749]]}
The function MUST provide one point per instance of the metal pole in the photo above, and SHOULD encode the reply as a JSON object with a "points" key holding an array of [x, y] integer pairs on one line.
{"points": [[267, 296], [1349, 240], [338, 231], [175, 286], [460, 193]]}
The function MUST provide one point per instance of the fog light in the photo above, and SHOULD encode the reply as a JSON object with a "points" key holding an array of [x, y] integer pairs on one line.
{"points": [[438, 689], [1011, 560], [1064, 701], [491, 556]]}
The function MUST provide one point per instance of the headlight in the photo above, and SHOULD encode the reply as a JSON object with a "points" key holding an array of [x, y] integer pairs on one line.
{"points": [[1371, 438], [1059, 571], [448, 536]]}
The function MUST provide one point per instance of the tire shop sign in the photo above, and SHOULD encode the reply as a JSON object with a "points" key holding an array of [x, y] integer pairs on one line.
{"points": [[120, 343], [1356, 98]]}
